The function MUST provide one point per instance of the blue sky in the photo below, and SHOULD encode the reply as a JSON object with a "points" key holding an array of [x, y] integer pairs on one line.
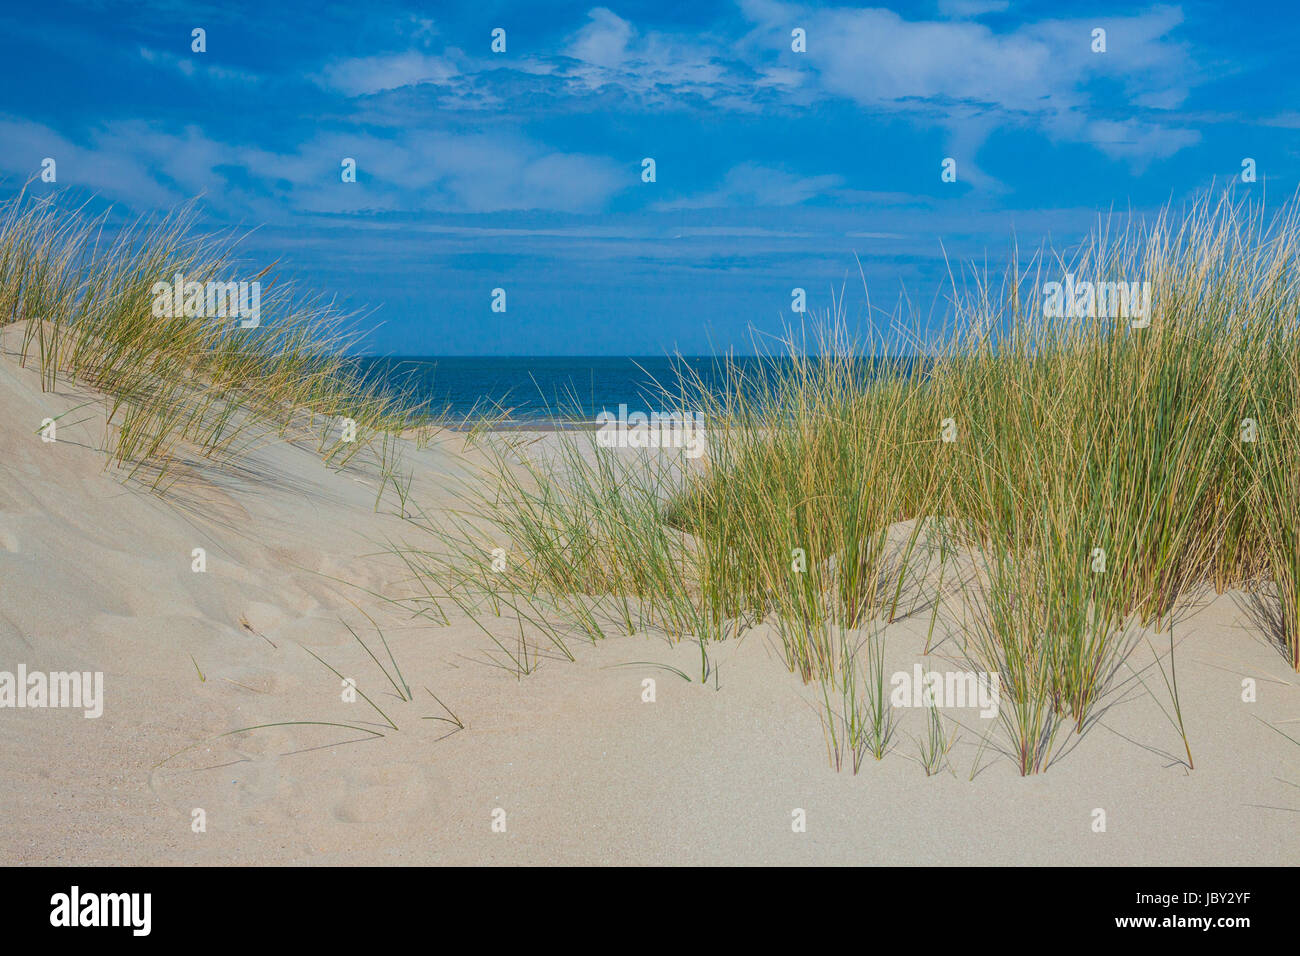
{"points": [[523, 170]]}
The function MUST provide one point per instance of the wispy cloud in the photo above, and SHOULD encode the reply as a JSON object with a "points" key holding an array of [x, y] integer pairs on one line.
{"points": [[198, 66], [1041, 74], [941, 72], [153, 166], [757, 186], [359, 76]]}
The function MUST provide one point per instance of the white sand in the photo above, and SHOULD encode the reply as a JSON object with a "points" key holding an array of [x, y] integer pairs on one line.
{"points": [[96, 575]]}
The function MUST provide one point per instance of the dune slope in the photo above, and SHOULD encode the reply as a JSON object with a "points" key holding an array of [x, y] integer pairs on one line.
{"points": [[97, 575]]}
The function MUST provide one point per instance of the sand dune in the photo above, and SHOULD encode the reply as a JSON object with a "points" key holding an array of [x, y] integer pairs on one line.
{"points": [[96, 575]]}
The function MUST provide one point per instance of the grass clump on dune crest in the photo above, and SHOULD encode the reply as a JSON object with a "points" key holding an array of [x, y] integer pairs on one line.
{"points": [[183, 384], [1088, 472]]}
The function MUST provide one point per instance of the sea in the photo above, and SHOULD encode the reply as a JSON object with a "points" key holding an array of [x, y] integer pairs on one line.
{"points": [[556, 391], [545, 391]]}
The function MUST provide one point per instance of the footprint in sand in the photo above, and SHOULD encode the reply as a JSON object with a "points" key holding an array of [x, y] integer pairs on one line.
{"points": [[226, 791], [392, 793]]}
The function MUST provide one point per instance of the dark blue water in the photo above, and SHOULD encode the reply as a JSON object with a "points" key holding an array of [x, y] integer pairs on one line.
{"points": [[531, 390], [554, 389]]}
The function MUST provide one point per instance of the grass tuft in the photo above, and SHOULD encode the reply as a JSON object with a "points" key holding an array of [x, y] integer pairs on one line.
{"points": [[1071, 478]]}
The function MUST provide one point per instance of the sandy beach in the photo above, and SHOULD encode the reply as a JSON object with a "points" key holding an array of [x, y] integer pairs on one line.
{"points": [[569, 764]]}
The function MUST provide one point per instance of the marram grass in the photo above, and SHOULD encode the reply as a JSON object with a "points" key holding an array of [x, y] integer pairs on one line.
{"points": [[184, 386], [1098, 470]]}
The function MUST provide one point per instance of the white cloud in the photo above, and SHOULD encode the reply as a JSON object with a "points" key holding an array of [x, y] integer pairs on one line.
{"points": [[360, 76], [602, 42], [1139, 142], [755, 185], [151, 167], [197, 66], [655, 67], [99, 167], [954, 73]]}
